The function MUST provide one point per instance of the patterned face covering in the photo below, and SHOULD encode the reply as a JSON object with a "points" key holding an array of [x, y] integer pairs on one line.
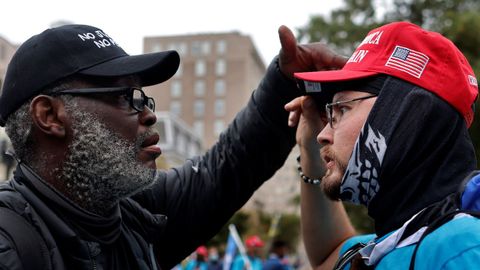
{"points": [[413, 150], [360, 182]]}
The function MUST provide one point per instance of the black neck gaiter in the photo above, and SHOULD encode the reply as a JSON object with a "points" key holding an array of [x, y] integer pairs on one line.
{"points": [[413, 150], [92, 227]]}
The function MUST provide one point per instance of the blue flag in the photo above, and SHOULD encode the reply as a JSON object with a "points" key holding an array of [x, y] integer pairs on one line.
{"points": [[230, 251]]}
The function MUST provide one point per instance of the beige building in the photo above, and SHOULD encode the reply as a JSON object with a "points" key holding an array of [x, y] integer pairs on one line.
{"points": [[217, 75], [7, 50], [177, 141]]}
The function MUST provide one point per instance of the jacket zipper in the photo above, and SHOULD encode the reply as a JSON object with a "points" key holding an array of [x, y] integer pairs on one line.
{"points": [[90, 256]]}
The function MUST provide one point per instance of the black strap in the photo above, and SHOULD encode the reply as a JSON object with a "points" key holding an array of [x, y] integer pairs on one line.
{"points": [[30, 246]]}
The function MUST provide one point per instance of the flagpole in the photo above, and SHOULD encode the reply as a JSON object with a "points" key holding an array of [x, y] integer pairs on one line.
{"points": [[238, 241]]}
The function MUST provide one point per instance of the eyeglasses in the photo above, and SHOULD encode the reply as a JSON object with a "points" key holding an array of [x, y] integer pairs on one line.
{"points": [[136, 97], [335, 113]]}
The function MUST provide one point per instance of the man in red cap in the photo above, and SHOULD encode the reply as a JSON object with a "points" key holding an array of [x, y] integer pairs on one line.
{"points": [[390, 131], [253, 259], [199, 260]]}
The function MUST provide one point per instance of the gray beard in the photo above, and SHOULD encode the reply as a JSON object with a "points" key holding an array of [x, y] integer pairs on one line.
{"points": [[101, 167]]}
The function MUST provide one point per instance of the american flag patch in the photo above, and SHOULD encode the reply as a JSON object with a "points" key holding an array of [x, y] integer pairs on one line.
{"points": [[407, 60], [472, 80]]}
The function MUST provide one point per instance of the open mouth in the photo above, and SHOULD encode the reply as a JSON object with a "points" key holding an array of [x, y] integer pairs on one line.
{"points": [[150, 147], [327, 157]]}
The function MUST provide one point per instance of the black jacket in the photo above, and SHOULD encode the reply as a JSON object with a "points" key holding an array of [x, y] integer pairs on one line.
{"points": [[187, 206]]}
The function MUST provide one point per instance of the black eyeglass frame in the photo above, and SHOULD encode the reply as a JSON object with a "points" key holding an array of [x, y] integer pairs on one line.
{"points": [[137, 104], [329, 108]]}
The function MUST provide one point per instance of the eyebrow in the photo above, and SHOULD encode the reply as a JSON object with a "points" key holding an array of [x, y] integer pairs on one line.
{"points": [[343, 96], [340, 96]]}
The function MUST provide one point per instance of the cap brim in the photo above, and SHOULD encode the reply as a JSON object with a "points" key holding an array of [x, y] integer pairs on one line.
{"points": [[152, 68], [332, 76], [323, 85]]}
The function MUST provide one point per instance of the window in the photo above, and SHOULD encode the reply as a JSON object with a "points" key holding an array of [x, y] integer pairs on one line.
{"points": [[200, 68], [198, 127], [176, 108], [179, 72], [176, 89], [157, 47], [199, 88], [160, 127], [220, 88], [218, 127], [220, 67], [219, 107], [206, 48], [180, 47], [200, 48], [196, 48], [198, 108], [221, 47], [181, 142], [193, 149]]}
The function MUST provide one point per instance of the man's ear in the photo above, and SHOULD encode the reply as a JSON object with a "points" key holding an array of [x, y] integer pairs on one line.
{"points": [[48, 115]]}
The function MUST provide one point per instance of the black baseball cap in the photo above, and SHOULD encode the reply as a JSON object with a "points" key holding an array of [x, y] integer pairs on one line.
{"points": [[59, 52]]}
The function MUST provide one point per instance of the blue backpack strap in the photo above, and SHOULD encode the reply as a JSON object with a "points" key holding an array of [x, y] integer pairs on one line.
{"points": [[471, 194], [467, 201]]}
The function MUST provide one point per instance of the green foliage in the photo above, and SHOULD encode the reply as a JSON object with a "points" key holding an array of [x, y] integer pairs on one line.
{"points": [[241, 221], [361, 221], [258, 222], [344, 29], [289, 229]]}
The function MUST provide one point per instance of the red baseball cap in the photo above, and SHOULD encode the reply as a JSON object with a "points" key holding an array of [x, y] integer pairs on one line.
{"points": [[202, 250], [406, 51], [254, 241]]}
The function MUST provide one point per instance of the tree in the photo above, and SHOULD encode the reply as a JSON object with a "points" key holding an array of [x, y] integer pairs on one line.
{"points": [[344, 28]]}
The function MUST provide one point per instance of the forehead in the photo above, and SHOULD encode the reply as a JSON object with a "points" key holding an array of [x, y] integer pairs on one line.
{"points": [[346, 95]]}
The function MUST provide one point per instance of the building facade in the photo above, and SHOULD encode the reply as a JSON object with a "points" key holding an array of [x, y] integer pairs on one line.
{"points": [[7, 50], [177, 141], [217, 75]]}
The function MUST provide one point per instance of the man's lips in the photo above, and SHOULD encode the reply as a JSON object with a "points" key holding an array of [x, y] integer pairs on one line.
{"points": [[327, 159], [149, 145], [329, 163]]}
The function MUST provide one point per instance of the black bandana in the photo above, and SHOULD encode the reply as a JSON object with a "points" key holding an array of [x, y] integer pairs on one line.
{"points": [[413, 150]]}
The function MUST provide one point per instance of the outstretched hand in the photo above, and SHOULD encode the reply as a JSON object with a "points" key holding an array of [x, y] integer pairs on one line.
{"points": [[305, 57]]}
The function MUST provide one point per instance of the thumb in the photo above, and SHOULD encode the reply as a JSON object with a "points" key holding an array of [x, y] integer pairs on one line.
{"points": [[309, 108], [288, 43]]}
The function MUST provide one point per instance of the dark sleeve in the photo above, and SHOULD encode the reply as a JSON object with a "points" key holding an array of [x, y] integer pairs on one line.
{"points": [[198, 202], [9, 259]]}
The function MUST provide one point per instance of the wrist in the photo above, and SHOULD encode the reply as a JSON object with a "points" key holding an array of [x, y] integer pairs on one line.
{"points": [[305, 178]]}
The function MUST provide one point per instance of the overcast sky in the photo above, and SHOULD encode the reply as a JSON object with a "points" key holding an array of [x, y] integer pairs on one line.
{"points": [[129, 21]]}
